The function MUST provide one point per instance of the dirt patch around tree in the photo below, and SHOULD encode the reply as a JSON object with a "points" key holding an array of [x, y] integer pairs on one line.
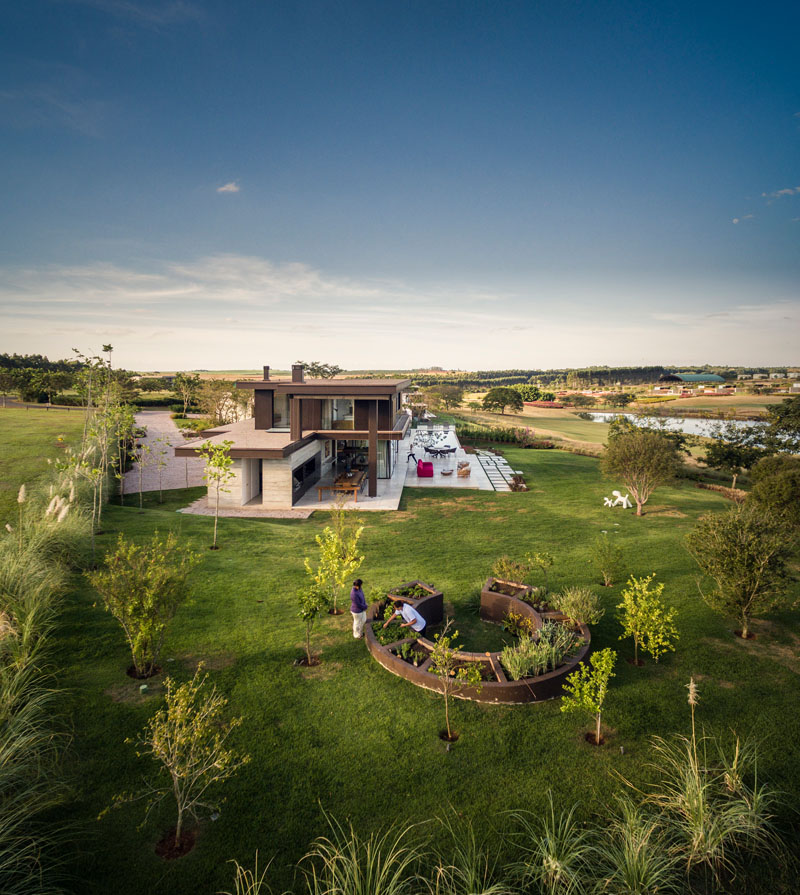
{"points": [[322, 671], [169, 850], [672, 512]]}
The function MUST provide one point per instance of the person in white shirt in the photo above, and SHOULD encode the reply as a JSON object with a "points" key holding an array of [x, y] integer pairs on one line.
{"points": [[411, 618]]}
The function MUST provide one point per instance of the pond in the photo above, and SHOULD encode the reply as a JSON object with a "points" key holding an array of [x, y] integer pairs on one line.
{"points": [[688, 425]]}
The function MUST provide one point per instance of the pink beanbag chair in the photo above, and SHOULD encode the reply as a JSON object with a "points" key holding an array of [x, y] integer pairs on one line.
{"points": [[424, 469]]}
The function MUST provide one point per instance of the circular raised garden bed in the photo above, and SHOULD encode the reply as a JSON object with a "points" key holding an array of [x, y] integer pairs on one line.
{"points": [[409, 657]]}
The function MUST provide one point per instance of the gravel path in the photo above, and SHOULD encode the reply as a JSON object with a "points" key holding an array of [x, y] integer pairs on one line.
{"points": [[162, 436]]}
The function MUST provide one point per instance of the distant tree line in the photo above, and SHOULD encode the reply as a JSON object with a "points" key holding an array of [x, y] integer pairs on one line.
{"points": [[37, 362]]}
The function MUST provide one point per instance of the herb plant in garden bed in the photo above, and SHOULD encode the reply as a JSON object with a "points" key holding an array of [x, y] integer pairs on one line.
{"points": [[392, 633], [411, 653], [531, 657], [412, 591]]}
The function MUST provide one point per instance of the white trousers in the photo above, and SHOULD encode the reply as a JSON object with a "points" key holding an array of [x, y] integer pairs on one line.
{"points": [[359, 620]]}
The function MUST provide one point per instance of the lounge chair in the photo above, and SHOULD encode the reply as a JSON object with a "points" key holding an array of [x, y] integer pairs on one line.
{"points": [[424, 469], [464, 471]]}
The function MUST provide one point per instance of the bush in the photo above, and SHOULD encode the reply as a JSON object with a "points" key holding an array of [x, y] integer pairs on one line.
{"points": [[507, 569], [153, 401], [608, 558], [580, 604], [69, 401]]}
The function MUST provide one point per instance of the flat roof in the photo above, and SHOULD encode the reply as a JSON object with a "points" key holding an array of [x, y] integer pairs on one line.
{"points": [[327, 386], [245, 437]]}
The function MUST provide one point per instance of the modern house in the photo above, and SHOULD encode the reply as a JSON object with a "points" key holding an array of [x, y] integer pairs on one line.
{"points": [[301, 430]]}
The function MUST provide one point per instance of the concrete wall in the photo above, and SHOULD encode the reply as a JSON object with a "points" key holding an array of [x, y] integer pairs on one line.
{"points": [[275, 479], [231, 494]]}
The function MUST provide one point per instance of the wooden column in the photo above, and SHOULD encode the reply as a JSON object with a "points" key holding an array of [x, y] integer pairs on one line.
{"points": [[296, 419], [372, 453], [262, 408]]}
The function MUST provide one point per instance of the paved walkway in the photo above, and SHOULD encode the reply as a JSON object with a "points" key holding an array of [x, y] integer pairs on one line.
{"points": [[176, 472], [498, 470]]}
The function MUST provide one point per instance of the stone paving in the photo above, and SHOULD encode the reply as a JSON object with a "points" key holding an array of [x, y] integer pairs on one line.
{"points": [[497, 469], [162, 436]]}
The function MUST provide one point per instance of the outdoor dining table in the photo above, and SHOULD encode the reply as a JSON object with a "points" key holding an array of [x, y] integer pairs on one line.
{"points": [[344, 482]]}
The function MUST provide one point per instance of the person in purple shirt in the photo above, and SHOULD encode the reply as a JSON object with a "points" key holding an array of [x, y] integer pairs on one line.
{"points": [[358, 608]]}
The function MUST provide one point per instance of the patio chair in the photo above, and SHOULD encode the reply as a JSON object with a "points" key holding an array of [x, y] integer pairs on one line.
{"points": [[464, 471], [424, 469]]}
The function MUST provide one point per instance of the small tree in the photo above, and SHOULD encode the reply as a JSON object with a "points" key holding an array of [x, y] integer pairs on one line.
{"points": [[507, 569], [313, 600], [643, 460], [586, 687], [339, 558], [188, 738], [776, 488], [125, 426], [782, 433], [187, 388], [143, 586], [745, 552], [608, 558], [500, 397], [733, 449], [542, 561], [453, 673], [143, 454], [218, 473], [644, 617], [161, 450]]}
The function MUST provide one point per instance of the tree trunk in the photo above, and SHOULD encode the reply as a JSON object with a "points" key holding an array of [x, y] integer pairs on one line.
{"points": [[636, 651], [179, 827], [745, 627], [308, 643], [597, 731], [735, 476], [216, 516], [639, 506], [447, 714]]}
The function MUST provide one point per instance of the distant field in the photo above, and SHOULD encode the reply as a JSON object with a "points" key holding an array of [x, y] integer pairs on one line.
{"points": [[739, 402], [546, 422], [29, 438]]}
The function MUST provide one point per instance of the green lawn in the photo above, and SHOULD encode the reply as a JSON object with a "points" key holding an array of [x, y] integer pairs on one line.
{"points": [[350, 738], [28, 438]]}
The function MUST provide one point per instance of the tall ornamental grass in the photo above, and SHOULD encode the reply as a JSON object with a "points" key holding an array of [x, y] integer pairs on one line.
{"points": [[345, 863], [49, 537]]}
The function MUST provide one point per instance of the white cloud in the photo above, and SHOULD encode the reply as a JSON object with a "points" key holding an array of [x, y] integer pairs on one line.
{"points": [[778, 194], [744, 217], [231, 311], [232, 187]]}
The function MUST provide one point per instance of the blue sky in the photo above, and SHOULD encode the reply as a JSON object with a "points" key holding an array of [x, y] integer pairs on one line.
{"points": [[468, 184]]}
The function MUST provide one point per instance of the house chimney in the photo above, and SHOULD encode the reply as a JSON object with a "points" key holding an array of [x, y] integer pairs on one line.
{"points": [[297, 373], [266, 373]]}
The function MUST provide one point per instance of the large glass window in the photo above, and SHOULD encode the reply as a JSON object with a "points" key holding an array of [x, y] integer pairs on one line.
{"points": [[280, 411], [342, 413]]}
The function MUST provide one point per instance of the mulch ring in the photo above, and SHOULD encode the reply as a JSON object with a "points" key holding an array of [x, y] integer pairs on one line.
{"points": [[169, 850]]}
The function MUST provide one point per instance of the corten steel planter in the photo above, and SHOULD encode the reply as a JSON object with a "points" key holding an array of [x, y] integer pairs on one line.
{"points": [[494, 608]]}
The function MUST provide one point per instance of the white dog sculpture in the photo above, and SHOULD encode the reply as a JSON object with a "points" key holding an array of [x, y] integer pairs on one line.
{"points": [[619, 501]]}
